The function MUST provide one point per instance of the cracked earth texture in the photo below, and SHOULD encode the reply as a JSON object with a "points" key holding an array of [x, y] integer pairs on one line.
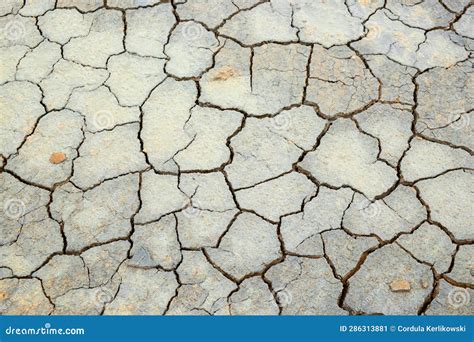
{"points": [[236, 157]]}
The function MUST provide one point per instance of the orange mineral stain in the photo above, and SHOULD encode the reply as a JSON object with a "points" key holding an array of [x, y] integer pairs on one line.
{"points": [[57, 158]]}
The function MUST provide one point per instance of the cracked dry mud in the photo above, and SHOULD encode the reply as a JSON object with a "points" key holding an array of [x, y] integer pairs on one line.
{"points": [[236, 157]]}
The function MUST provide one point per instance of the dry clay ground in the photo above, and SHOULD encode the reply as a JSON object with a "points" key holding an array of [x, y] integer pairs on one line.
{"points": [[216, 157]]}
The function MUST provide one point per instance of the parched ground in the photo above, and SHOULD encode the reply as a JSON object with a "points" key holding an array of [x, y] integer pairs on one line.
{"points": [[235, 157]]}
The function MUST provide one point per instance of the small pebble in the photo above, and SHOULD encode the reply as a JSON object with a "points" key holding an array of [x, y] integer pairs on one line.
{"points": [[57, 158], [400, 285]]}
